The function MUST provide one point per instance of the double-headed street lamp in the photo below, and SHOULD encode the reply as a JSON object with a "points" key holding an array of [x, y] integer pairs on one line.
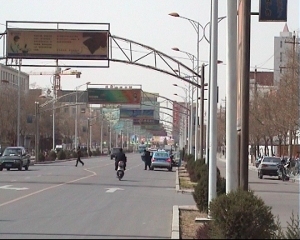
{"points": [[193, 58]]}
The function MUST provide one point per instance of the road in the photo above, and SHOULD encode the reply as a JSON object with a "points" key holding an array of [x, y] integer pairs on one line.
{"points": [[283, 197], [60, 200]]}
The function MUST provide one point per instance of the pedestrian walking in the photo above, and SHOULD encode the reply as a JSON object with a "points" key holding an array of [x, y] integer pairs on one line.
{"points": [[147, 159], [78, 157]]}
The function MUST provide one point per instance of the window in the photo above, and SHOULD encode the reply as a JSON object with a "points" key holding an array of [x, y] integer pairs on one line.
{"points": [[280, 57]]}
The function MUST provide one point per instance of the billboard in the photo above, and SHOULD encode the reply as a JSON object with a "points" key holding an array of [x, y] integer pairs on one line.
{"points": [[136, 113], [57, 44], [273, 10], [113, 96], [145, 121]]}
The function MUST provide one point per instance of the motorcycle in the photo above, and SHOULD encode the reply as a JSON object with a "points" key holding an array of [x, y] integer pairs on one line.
{"points": [[120, 170], [282, 172]]}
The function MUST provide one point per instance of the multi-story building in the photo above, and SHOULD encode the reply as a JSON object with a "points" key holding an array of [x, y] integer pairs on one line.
{"points": [[10, 75], [283, 46]]}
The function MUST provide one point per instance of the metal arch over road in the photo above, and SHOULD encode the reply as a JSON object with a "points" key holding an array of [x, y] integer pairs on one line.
{"points": [[135, 57], [135, 53]]}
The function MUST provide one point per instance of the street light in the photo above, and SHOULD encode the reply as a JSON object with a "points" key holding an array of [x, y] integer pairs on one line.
{"points": [[187, 118], [76, 113], [196, 25], [192, 58]]}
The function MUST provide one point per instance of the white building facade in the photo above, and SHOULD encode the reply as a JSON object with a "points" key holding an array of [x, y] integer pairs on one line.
{"points": [[283, 46]]}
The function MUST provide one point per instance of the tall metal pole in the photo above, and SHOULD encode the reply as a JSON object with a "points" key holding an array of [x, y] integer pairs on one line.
{"points": [[37, 118], [101, 139], [202, 110], [212, 185], [191, 122], [76, 120], [109, 135], [245, 69], [207, 149], [197, 100], [231, 102], [19, 103]]}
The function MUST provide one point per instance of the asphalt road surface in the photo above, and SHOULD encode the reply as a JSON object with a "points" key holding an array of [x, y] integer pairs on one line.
{"points": [[59, 200], [283, 197]]}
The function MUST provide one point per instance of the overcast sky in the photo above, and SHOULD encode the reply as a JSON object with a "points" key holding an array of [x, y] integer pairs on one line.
{"points": [[147, 22]]}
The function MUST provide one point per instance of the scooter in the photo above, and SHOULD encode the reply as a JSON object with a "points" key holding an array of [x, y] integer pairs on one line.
{"points": [[282, 172], [120, 170]]}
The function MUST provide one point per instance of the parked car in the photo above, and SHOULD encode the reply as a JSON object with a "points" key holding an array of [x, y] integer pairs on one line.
{"points": [[161, 159], [14, 157], [268, 166], [113, 152]]}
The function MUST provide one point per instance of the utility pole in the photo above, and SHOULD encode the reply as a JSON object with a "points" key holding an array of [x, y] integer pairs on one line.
{"points": [[37, 134], [244, 69], [231, 103], [202, 111]]}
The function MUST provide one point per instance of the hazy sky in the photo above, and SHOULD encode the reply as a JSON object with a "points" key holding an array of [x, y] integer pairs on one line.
{"points": [[147, 22]]}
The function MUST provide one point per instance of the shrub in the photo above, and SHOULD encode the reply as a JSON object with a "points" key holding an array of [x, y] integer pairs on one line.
{"points": [[203, 231], [41, 157], [241, 215], [61, 155], [293, 231], [52, 155], [198, 170], [200, 193]]}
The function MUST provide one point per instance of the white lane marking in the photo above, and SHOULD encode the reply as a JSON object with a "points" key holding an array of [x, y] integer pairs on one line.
{"points": [[112, 190], [9, 187]]}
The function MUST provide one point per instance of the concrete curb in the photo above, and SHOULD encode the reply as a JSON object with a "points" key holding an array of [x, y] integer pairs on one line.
{"points": [[177, 181], [177, 184], [175, 223]]}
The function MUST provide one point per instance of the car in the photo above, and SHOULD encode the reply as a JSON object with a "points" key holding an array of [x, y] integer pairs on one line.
{"points": [[161, 159], [14, 157], [114, 152], [268, 166]]}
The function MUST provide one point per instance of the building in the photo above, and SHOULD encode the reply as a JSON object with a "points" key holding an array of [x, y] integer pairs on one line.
{"points": [[283, 46], [262, 82], [10, 75]]}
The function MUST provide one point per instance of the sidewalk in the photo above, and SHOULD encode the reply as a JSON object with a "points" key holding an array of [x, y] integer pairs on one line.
{"points": [[223, 159]]}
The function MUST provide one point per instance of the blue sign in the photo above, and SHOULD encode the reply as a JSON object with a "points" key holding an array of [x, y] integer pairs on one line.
{"points": [[136, 113], [273, 11]]}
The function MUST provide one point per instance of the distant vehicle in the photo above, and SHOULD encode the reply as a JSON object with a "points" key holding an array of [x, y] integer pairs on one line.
{"points": [[268, 166], [58, 148], [14, 157], [114, 152], [161, 159], [105, 151]]}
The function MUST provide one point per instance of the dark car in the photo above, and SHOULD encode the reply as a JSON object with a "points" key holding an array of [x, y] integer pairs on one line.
{"points": [[114, 152], [268, 166], [14, 157]]}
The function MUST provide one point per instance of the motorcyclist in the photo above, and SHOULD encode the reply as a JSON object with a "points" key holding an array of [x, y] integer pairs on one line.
{"points": [[120, 156]]}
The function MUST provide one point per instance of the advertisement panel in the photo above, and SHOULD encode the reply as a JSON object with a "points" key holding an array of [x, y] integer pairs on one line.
{"points": [[145, 121], [113, 96], [273, 10], [57, 44], [136, 113]]}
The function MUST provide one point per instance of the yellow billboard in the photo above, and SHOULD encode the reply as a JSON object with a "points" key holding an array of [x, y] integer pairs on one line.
{"points": [[57, 44]]}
